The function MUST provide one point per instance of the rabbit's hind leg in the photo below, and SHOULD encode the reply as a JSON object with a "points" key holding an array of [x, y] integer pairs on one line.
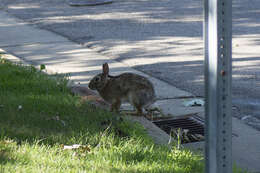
{"points": [[136, 103]]}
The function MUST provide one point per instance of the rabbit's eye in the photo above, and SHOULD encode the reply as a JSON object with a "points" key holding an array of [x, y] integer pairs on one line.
{"points": [[97, 79]]}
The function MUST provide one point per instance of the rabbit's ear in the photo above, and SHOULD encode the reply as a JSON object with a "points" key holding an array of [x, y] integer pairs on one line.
{"points": [[105, 69]]}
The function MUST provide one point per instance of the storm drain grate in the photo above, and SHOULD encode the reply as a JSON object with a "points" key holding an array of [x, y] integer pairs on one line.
{"points": [[187, 129]]}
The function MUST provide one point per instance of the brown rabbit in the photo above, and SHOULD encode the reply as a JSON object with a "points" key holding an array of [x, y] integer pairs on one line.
{"points": [[126, 87]]}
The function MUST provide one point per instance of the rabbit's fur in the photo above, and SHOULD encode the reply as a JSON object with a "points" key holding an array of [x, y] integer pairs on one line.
{"points": [[126, 87]]}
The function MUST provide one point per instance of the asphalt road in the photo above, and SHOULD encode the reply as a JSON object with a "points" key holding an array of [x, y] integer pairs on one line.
{"points": [[162, 38]]}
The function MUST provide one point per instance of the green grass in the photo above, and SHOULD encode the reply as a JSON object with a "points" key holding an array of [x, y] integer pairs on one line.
{"points": [[38, 115]]}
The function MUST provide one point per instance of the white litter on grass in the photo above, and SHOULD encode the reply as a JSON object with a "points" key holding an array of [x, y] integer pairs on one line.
{"points": [[57, 118], [79, 147], [70, 147], [20, 107], [194, 102], [63, 122]]}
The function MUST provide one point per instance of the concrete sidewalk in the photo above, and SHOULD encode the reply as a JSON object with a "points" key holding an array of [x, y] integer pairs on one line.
{"points": [[60, 55]]}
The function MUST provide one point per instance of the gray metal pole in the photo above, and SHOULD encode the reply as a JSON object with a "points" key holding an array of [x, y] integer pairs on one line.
{"points": [[218, 69]]}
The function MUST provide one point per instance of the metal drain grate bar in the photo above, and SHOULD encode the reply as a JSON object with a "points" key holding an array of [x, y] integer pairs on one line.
{"points": [[193, 125]]}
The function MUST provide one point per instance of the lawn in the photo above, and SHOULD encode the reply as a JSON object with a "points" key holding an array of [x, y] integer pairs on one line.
{"points": [[39, 117]]}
